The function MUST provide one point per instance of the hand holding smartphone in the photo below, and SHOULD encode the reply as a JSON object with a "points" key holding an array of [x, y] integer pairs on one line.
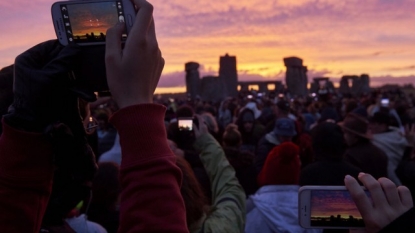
{"points": [[353, 207], [87, 22], [185, 124], [328, 207]]}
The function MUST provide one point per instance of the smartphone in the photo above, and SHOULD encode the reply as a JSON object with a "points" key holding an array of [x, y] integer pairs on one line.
{"points": [[86, 22], [328, 207], [384, 102], [185, 124]]}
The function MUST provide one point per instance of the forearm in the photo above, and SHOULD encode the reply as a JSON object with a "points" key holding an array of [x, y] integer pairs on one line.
{"points": [[150, 180], [221, 174], [228, 197], [26, 173]]}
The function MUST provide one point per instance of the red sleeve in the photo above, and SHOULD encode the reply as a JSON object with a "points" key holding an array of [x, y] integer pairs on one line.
{"points": [[150, 180], [26, 173]]}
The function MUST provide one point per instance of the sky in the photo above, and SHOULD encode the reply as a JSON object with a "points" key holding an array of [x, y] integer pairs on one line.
{"points": [[334, 38]]}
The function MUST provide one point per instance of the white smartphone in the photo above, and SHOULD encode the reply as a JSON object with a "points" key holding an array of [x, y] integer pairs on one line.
{"points": [[328, 207], [86, 22], [185, 124], [384, 102]]}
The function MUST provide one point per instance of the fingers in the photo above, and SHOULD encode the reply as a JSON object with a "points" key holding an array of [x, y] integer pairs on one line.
{"points": [[359, 196], [113, 49], [375, 189], [159, 69], [143, 19], [391, 192], [152, 33], [405, 196]]}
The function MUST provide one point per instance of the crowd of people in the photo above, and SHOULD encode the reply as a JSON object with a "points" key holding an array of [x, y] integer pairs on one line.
{"points": [[74, 163]]}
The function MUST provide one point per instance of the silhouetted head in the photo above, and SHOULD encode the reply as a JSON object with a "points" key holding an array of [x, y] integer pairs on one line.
{"points": [[6, 90], [328, 141], [232, 137]]}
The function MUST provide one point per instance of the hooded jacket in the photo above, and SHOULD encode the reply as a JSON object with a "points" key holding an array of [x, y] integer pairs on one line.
{"points": [[393, 143], [114, 154], [274, 208]]}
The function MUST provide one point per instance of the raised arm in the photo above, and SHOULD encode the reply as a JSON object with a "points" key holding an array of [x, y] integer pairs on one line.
{"points": [[150, 180], [228, 197]]}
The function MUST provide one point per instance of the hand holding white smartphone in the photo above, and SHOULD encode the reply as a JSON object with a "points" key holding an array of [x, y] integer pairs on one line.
{"points": [[86, 22], [328, 207], [185, 124]]}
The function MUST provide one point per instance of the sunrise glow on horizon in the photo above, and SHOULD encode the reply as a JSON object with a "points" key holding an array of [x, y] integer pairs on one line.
{"points": [[334, 38], [333, 203]]}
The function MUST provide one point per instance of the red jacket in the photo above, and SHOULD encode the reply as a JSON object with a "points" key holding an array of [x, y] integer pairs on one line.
{"points": [[150, 180]]}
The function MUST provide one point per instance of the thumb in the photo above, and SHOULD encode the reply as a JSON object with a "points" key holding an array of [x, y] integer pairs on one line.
{"points": [[113, 48]]}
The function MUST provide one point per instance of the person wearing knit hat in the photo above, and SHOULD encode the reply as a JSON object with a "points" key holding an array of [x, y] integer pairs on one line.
{"points": [[274, 207], [282, 166]]}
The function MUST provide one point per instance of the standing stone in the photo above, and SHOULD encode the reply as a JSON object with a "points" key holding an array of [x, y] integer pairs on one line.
{"points": [[296, 76], [229, 73], [322, 83], [192, 79], [345, 88], [213, 88], [360, 85], [356, 86], [365, 84]]}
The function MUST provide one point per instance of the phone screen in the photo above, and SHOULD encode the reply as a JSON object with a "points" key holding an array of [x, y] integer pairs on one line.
{"points": [[384, 102], [88, 22], [185, 125], [334, 208]]}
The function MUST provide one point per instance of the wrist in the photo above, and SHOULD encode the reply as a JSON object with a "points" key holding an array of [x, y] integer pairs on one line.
{"points": [[128, 103]]}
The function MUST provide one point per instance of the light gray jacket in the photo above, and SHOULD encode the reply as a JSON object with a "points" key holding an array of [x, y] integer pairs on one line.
{"points": [[274, 208]]}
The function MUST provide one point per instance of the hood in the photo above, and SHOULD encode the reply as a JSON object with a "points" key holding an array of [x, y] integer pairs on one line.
{"points": [[278, 205], [252, 106], [270, 137], [391, 141], [114, 154]]}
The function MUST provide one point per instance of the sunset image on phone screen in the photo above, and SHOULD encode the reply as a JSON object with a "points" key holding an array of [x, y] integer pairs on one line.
{"points": [[90, 21], [334, 208]]}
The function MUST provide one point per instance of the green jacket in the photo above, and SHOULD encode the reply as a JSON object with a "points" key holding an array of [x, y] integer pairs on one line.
{"points": [[228, 198]]}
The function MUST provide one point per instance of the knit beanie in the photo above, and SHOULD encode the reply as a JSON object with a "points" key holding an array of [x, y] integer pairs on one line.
{"points": [[282, 166]]}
